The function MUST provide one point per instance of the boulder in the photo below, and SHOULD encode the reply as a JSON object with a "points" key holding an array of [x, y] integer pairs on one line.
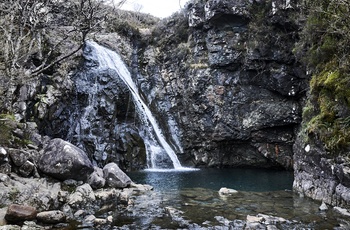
{"points": [[51, 217], [63, 161], [3, 155], [5, 168], [323, 207], [96, 179], [227, 191], [20, 213], [27, 169], [115, 177], [18, 156], [82, 197]]}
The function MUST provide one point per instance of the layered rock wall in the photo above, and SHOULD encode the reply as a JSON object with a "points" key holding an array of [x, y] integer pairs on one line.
{"points": [[232, 85]]}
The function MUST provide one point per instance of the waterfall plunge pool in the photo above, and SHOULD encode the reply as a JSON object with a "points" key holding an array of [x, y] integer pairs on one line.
{"points": [[242, 179], [190, 200]]}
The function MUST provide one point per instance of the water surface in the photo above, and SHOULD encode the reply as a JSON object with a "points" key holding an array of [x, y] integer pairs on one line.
{"points": [[194, 195], [242, 179]]}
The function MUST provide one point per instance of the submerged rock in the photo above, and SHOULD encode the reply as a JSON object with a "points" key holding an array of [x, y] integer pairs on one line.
{"points": [[227, 191], [115, 177], [63, 161], [342, 211], [323, 207]]}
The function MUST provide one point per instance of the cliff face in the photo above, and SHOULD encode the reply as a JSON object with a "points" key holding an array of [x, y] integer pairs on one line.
{"points": [[321, 152], [233, 85]]}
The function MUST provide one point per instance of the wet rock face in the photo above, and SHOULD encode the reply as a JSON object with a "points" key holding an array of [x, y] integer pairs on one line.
{"points": [[98, 116], [235, 95]]}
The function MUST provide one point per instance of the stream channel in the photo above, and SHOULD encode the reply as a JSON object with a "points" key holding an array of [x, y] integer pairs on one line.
{"points": [[190, 200]]}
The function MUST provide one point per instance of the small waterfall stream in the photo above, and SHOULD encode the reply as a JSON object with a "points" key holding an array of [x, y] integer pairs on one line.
{"points": [[108, 59]]}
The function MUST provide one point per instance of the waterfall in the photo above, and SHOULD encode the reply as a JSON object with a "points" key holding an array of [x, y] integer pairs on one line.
{"points": [[108, 59]]}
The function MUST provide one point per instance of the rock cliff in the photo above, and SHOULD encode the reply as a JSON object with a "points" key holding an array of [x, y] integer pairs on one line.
{"points": [[230, 82]]}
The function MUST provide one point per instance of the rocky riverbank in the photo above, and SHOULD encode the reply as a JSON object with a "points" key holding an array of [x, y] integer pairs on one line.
{"points": [[51, 204]]}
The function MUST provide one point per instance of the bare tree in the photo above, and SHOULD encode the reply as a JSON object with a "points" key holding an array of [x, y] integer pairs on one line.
{"points": [[137, 7], [26, 27]]}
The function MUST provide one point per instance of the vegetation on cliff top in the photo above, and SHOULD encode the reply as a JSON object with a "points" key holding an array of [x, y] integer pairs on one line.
{"points": [[326, 39]]}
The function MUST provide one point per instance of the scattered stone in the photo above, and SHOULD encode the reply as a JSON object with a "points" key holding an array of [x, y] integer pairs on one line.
{"points": [[31, 146], [262, 221], [106, 195], [141, 187], [100, 221], [223, 220], [5, 168], [79, 213], [115, 177], [51, 217], [73, 183], [18, 156], [342, 211], [96, 179], [3, 155], [2, 216], [63, 161], [19, 213], [251, 219], [124, 196], [176, 216], [90, 219], [10, 227], [227, 191], [109, 219], [27, 169], [82, 196], [323, 207]]}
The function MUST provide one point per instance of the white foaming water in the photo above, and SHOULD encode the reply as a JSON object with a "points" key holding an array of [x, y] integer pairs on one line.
{"points": [[180, 169], [108, 59]]}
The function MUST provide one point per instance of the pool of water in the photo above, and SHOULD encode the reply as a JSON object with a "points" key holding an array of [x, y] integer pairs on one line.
{"points": [[242, 179], [194, 196]]}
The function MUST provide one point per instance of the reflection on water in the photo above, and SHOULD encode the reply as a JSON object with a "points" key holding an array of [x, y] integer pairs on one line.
{"points": [[242, 179], [195, 195]]}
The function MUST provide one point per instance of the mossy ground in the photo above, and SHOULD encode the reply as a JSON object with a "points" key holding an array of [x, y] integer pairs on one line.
{"points": [[324, 42]]}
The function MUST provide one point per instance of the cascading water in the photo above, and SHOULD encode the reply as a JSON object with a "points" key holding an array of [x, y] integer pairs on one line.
{"points": [[108, 59]]}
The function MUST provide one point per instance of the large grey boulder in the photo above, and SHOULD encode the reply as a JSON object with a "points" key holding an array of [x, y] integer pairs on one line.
{"points": [[115, 177], [63, 161]]}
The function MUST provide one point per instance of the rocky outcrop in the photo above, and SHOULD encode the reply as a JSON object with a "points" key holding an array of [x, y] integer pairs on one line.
{"points": [[320, 175], [63, 161], [232, 86]]}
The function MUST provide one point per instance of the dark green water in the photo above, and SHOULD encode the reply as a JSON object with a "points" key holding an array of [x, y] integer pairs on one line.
{"points": [[194, 194], [242, 179]]}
